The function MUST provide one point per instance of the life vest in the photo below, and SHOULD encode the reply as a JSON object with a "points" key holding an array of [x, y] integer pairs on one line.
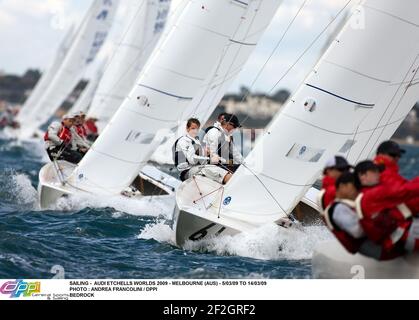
{"points": [[81, 131], [64, 134], [324, 199], [221, 144], [175, 153], [389, 228], [90, 127], [350, 243]]}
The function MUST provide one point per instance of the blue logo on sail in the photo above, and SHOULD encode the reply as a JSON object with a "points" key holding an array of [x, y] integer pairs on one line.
{"points": [[227, 201]]}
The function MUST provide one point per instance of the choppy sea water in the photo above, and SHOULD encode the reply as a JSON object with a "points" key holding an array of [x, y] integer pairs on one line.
{"points": [[108, 238]]}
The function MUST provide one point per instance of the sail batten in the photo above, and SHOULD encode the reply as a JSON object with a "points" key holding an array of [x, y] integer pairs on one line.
{"points": [[348, 104], [27, 111], [142, 32], [89, 40], [197, 45]]}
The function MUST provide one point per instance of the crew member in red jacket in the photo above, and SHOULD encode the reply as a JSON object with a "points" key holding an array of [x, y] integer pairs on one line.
{"points": [[384, 215], [388, 156], [373, 222], [335, 167], [91, 129]]}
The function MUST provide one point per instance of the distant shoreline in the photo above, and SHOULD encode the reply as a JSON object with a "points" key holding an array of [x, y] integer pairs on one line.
{"points": [[404, 143]]}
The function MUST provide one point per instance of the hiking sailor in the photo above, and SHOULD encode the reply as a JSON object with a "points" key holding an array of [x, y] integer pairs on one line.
{"points": [[59, 142], [79, 134], [190, 157], [219, 142]]}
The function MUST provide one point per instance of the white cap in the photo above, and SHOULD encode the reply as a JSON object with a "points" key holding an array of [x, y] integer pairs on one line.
{"points": [[67, 116]]}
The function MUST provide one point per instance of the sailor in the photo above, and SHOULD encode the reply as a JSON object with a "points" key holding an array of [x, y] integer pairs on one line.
{"points": [[92, 131], [220, 142], [8, 118], [190, 157], [335, 167], [340, 216], [385, 217], [218, 123], [383, 237], [388, 156], [59, 141], [79, 134]]}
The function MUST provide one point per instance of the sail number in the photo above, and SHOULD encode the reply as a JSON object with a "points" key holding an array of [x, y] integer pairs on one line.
{"points": [[201, 234]]}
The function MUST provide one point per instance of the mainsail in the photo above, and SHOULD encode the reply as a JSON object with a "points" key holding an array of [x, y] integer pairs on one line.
{"points": [[88, 42], [355, 97], [178, 72], [83, 103], [27, 109], [141, 34]]}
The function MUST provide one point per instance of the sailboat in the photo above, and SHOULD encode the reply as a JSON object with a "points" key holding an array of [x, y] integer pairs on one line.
{"points": [[141, 34], [354, 98], [85, 100], [87, 43], [181, 71], [27, 109]]}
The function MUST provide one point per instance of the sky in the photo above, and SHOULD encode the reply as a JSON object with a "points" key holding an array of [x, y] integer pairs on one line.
{"points": [[31, 30]]}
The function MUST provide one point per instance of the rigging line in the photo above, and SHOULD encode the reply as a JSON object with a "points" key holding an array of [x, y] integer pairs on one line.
{"points": [[280, 41], [310, 46], [266, 188], [399, 102], [272, 53], [237, 53], [226, 49], [384, 113], [139, 55], [304, 53]]}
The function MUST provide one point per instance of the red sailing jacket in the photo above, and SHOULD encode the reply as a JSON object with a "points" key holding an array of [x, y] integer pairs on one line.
{"points": [[384, 216], [64, 134], [328, 194], [81, 131], [90, 127], [391, 176]]}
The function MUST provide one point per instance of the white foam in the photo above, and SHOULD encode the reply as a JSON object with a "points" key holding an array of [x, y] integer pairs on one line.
{"points": [[265, 243], [161, 206], [23, 191], [158, 231]]}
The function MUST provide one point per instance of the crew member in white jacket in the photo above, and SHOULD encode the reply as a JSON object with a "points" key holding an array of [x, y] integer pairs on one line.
{"points": [[219, 141], [191, 159]]}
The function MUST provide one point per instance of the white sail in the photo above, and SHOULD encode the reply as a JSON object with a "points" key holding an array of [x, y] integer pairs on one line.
{"points": [[83, 103], [27, 109], [349, 89], [141, 34], [227, 70], [88, 42], [177, 73]]}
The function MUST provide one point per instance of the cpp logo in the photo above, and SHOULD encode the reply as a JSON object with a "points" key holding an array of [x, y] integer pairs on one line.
{"points": [[20, 287], [227, 201]]}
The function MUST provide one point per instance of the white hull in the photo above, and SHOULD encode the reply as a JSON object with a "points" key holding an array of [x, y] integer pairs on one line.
{"points": [[198, 215], [191, 227], [51, 187], [331, 261]]}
